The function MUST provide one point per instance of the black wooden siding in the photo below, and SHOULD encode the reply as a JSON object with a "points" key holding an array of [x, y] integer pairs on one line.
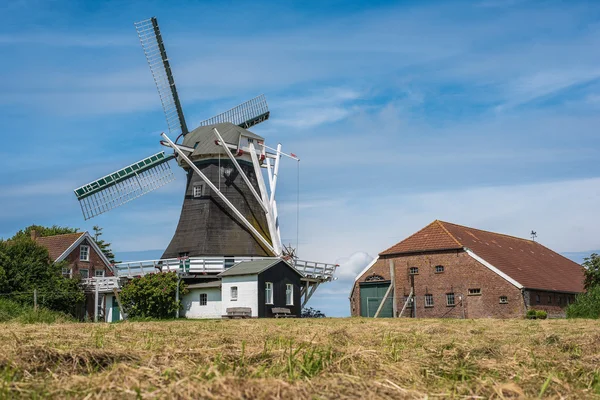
{"points": [[280, 275]]}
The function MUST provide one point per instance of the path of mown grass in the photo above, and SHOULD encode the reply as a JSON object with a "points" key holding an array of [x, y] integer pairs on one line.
{"points": [[328, 358]]}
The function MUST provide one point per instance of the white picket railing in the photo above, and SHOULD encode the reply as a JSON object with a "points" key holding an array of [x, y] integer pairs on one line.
{"points": [[105, 284], [215, 265]]}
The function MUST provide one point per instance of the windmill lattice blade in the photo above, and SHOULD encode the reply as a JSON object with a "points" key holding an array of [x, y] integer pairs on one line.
{"points": [[245, 115], [154, 49], [124, 185]]}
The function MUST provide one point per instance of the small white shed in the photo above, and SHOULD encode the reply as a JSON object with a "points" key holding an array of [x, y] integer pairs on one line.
{"points": [[202, 301]]}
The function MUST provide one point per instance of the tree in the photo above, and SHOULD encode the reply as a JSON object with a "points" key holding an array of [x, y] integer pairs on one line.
{"points": [[152, 295], [43, 231], [592, 271], [587, 305], [104, 246], [28, 267]]}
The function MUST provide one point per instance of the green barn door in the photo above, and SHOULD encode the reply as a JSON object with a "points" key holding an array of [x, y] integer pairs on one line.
{"points": [[116, 314], [371, 295]]}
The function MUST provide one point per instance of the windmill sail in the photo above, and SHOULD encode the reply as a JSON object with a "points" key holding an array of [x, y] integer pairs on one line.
{"points": [[154, 49], [124, 185], [245, 115]]}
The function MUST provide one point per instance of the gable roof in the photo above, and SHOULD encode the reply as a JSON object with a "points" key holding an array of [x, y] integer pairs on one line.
{"points": [[60, 246], [523, 262], [254, 267]]}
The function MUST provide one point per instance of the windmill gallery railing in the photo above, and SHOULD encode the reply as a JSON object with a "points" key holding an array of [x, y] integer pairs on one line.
{"points": [[213, 265]]}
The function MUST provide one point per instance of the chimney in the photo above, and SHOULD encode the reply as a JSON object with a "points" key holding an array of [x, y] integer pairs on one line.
{"points": [[34, 234]]}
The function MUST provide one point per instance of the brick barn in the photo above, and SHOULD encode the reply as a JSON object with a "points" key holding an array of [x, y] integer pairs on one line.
{"points": [[454, 271]]}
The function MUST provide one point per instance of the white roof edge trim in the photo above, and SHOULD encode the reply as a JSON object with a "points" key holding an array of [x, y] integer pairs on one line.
{"points": [[493, 269], [76, 243], [361, 273]]}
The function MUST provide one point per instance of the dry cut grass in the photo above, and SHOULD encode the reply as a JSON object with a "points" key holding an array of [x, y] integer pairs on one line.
{"points": [[302, 359]]}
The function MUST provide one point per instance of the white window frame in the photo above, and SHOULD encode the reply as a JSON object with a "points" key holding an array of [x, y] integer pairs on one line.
{"points": [[198, 191], [474, 292], [66, 272], [441, 269], [503, 299], [289, 294], [268, 292], [413, 270], [205, 299], [428, 300], [234, 293], [99, 273], [448, 297], [87, 252], [87, 272]]}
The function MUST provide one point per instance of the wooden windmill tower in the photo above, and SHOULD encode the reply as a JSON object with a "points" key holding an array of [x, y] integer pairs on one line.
{"points": [[229, 212]]}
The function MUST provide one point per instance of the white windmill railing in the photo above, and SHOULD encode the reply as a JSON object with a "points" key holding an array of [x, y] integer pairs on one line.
{"points": [[213, 265]]}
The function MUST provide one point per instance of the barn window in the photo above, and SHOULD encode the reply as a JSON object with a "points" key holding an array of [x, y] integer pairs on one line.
{"points": [[450, 299], [84, 253], [289, 295], [537, 299], [559, 300], [439, 269], [374, 278], [549, 299], [234, 293], [269, 292], [203, 299], [475, 292], [198, 190], [503, 300], [413, 270], [428, 300]]}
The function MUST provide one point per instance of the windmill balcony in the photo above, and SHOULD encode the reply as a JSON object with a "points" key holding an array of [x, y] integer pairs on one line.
{"points": [[316, 271], [105, 284]]}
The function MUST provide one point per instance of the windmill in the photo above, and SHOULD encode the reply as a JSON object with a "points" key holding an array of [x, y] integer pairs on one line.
{"points": [[228, 213]]}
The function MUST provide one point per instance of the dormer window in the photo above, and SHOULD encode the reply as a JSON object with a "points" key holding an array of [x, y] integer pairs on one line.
{"points": [[198, 191], [84, 253]]}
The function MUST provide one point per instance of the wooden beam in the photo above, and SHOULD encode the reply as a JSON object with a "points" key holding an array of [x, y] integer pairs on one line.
{"points": [[313, 287], [393, 284], [387, 293], [121, 309], [405, 303]]}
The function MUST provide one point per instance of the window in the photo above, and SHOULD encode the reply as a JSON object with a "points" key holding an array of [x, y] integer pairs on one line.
{"points": [[269, 292], [198, 190], [289, 295], [413, 270], [374, 278], [84, 253], [428, 300], [549, 299], [475, 292], [559, 300], [250, 140], [439, 269], [66, 272], [537, 299], [84, 272], [450, 299], [99, 273], [503, 300], [203, 299], [234, 293]]}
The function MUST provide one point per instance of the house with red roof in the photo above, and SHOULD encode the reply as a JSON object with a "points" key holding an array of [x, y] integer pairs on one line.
{"points": [[84, 259], [447, 270]]}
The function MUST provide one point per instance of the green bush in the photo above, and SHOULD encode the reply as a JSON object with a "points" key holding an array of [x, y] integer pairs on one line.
{"points": [[152, 295], [586, 305], [531, 314], [541, 314]]}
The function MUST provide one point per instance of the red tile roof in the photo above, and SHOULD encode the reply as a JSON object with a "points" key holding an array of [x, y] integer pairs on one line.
{"points": [[57, 244], [529, 263]]}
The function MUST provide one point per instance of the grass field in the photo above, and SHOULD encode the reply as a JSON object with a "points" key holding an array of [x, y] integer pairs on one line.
{"points": [[301, 358]]}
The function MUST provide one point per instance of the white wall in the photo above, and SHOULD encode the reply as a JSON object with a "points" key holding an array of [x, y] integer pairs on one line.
{"points": [[247, 292], [191, 307]]}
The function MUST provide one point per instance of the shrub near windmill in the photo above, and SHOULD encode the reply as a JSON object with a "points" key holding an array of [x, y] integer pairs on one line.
{"points": [[228, 214]]}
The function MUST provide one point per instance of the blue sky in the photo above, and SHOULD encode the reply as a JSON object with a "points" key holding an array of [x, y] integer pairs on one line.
{"points": [[482, 113]]}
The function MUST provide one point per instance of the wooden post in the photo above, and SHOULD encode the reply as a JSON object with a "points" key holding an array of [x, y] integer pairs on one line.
{"points": [[35, 299], [177, 297], [385, 296], [121, 309], [393, 283], [96, 296]]}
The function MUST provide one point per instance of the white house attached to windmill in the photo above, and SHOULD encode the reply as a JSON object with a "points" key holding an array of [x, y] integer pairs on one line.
{"points": [[229, 213]]}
